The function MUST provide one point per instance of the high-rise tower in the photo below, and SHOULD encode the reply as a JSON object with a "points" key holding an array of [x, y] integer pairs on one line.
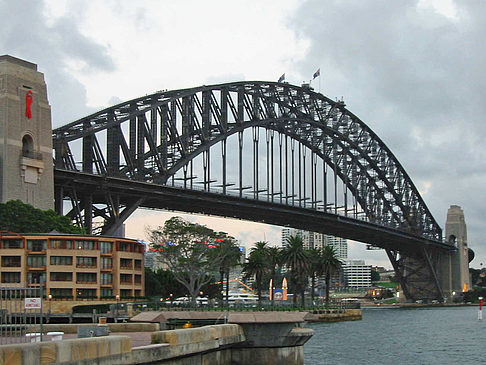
{"points": [[26, 169]]}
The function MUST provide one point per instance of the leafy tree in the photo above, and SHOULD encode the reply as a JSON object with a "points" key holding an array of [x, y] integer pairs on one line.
{"points": [[186, 248], [331, 264], [227, 254], [296, 258], [375, 276], [16, 216], [257, 265], [162, 283]]}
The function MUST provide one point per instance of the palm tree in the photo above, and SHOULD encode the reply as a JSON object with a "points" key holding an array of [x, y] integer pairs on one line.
{"points": [[296, 258], [331, 264], [257, 265], [316, 268]]}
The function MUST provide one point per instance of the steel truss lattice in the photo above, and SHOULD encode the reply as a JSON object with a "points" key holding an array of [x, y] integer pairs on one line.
{"points": [[317, 156]]}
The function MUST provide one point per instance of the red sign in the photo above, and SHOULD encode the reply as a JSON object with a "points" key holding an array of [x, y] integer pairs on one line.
{"points": [[32, 303], [481, 302], [28, 104]]}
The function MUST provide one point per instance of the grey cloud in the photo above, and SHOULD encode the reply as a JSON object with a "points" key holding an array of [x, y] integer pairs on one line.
{"points": [[405, 71], [25, 34]]}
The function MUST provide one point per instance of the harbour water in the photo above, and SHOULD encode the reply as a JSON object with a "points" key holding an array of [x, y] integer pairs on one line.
{"points": [[439, 335]]}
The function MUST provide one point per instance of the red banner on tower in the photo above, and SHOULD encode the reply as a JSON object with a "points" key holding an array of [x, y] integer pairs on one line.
{"points": [[28, 104]]}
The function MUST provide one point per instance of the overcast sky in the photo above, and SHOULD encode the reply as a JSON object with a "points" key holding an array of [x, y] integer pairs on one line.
{"points": [[411, 70]]}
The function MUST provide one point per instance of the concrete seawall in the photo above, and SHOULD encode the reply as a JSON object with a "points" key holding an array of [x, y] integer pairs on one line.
{"points": [[334, 315], [226, 344]]}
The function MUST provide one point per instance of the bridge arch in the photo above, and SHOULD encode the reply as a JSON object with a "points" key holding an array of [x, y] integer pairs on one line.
{"points": [[157, 137]]}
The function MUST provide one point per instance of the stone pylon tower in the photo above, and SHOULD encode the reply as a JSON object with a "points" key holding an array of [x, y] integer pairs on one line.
{"points": [[456, 233], [26, 168]]}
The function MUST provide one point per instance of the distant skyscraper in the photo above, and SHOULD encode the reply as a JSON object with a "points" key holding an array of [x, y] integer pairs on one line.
{"points": [[311, 239], [340, 245], [357, 274], [317, 240]]}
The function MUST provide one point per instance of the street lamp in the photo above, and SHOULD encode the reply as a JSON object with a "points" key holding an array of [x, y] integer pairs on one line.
{"points": [[116, 308]]}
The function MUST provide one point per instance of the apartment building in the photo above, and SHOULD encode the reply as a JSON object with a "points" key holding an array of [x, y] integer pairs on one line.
{"points": [[73, 267]]}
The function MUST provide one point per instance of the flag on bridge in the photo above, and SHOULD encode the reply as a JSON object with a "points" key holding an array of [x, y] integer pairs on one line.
{"points": [[317, 73], [282, 78]]}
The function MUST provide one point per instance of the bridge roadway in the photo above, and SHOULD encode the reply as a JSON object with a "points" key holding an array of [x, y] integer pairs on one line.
{"points": [[153, 196]]}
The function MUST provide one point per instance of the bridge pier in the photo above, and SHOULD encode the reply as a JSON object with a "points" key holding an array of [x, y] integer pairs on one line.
{"points": [[26, 171], [436, 274], [454, 267]]}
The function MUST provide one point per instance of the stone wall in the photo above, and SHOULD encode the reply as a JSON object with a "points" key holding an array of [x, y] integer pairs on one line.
{"points": [[216, 345]]}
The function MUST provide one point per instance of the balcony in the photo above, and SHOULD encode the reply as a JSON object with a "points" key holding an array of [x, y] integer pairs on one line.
{"points": [[36, 268], [86, 281], [36, 251]]}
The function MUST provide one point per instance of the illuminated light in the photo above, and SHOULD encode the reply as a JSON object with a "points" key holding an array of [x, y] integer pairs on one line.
{"points": [[218, 239]]}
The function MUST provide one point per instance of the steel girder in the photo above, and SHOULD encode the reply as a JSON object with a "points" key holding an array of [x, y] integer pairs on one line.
{"points": [[153, 137]]}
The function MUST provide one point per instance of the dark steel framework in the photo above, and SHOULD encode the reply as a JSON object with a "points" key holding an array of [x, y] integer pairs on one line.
{"points": [[263, 151]]}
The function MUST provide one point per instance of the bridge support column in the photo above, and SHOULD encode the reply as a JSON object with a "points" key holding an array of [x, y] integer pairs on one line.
{"points": [[454, 266], [417, 274], [26, 170]]}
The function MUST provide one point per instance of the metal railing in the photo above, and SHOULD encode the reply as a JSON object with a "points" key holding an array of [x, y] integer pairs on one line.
{"points": [[20, 314]]}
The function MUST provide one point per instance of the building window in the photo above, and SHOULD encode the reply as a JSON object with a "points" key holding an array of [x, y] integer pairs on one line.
{"points": [[10, 277], [126, 293], [16, 243], [61, 293], [11, 261], [106, 263], [62, 244], [35, 277], [124, 246], [125, 263], [82, 261], [86, 278], [106, 247], [27, 146], [85, 245], [36, 261], [106, 279], [61, 260], [138, 264], [61, 276], [138, 279], [126, 278], [36, 245], [106, 293], [86, 293]]}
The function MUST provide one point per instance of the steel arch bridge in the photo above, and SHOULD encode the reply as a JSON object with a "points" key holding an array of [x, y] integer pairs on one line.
{"points": [[262, 151]]}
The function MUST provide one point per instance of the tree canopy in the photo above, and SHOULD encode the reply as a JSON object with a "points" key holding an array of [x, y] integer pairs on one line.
{"points": [[16, 216], [192, 252]]}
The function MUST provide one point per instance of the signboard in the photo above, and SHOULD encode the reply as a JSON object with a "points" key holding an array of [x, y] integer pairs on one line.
{"points": [[33, 303]]}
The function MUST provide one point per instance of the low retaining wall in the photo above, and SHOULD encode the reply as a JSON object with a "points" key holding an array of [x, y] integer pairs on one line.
{"points": [[334, 316], [113, 327], [101, 350], [227, 344]]}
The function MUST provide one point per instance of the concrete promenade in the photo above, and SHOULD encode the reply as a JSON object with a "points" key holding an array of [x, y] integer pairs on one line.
{"points": [[258, 338]]}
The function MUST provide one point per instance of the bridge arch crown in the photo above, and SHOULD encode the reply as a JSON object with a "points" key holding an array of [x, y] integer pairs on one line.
{"points": [[174, 138]]}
